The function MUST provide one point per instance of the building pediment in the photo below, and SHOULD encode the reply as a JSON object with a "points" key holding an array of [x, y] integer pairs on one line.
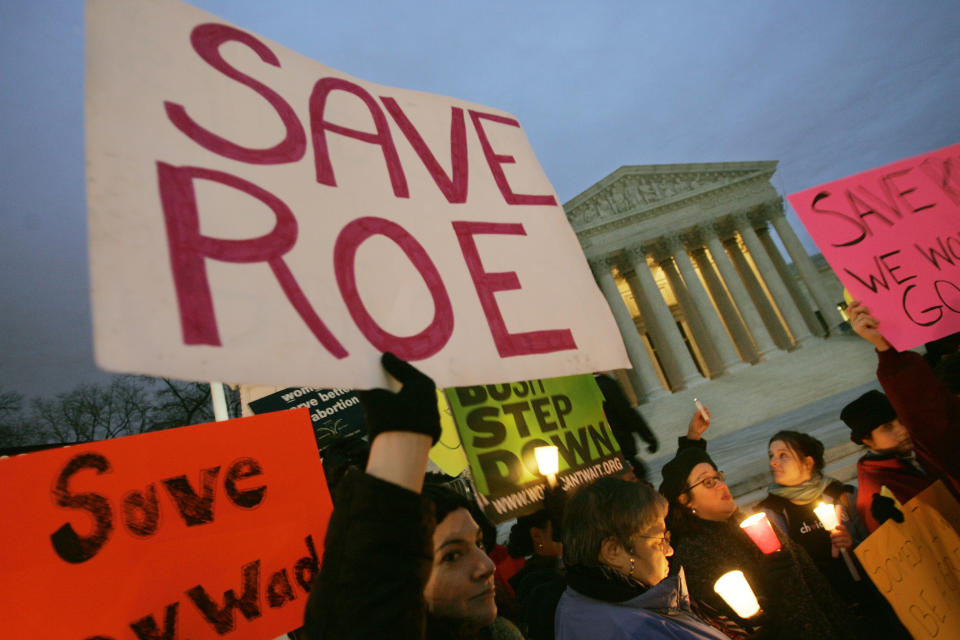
{"points": [[642, 190]]}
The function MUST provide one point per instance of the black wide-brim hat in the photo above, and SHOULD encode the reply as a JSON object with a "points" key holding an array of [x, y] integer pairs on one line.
{"points": [[866, 413], [676, 472]]}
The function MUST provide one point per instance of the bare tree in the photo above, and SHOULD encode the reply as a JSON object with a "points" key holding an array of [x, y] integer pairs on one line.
{"points": [[16, 429], [179, 403], [94, 412]]}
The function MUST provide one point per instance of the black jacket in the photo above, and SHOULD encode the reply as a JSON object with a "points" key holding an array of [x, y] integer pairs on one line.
{"points": [[376, 562]]}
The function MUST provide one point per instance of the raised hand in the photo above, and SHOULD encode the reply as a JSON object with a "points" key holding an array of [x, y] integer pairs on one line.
{"points": [[866, 326], [698, 424], [413, 408]]}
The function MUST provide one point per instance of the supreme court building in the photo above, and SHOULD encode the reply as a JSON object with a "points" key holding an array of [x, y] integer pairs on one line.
{"points": [[685, 257]]}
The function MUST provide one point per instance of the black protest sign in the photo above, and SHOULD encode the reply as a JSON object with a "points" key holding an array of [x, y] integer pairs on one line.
{"points": [[336, 414]]}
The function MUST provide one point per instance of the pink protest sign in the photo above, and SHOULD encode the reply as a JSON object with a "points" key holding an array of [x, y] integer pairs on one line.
{"points": [[892, 236]]}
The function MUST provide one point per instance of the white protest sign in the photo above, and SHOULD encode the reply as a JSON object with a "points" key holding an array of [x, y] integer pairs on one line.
{"points": [[257, 216]]}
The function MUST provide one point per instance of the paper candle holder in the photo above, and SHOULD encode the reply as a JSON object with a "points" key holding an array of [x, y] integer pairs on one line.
{"points": [[761, 532], [736, 592]]}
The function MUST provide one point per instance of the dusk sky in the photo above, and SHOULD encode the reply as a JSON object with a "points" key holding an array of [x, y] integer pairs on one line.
{"points": [[827, 89]]}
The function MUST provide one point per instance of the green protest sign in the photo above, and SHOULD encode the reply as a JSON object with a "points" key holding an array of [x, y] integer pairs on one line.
{"points": [[501, 425]]}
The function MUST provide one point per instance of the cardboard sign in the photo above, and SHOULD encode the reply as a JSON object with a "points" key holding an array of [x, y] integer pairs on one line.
{"points": [[891, 236], [500, 425], [258, 217], [916, 566], [208, 531], [336, 414]]}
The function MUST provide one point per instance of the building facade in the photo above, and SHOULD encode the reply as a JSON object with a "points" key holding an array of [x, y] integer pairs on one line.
{"points": [[685, 257]]}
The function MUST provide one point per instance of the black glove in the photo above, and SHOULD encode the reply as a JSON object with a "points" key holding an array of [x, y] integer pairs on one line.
{"points": [[883, 508], [652, 444], [413, 408], [778, 568]]}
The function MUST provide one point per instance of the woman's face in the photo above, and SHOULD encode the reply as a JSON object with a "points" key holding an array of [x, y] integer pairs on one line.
{"points": [[645, 557], [710, 497], [461, 581], [651, 549], [786, 466], [891, 437]]}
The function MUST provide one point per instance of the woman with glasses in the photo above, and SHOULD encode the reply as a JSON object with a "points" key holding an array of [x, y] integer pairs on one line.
{"points": [[615, 548], [796, 600]]}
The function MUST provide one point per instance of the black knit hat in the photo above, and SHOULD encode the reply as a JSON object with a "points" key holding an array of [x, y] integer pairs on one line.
{"points": [[676, 472], [866, 413]]}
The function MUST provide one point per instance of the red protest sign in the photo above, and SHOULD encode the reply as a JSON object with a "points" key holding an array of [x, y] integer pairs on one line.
{"points": [[209, 531], [891, 236]]}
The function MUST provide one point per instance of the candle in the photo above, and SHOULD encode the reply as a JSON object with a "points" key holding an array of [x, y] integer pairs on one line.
{"points": [[736, 592], [703, 412], [548, 462], [761, 532], [827, 513]]}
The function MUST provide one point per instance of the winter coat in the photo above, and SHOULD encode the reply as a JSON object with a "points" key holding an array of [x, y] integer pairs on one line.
{"points": [[797, 601], [927, 409], [873, 617], [898, 474], [662, 611], [376, 562], [538, 585], [804, 527]]}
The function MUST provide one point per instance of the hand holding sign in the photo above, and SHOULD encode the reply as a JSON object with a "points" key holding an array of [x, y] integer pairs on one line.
{"points": [[866, 326], [890, 235], [398, 422], [413, 408]]}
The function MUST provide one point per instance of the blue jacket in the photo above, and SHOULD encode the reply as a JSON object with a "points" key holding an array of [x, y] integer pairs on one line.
{"points": [[663, 611]]}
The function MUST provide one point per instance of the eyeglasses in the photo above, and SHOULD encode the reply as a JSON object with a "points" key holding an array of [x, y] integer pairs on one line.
{"points": [[664, 540], [710, 481]]}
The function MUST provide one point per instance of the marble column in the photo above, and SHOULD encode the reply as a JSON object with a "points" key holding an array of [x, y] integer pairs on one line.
{"points": [[672, 350], [643, 377], [789, 280], [732, 322], [771, 329], [729, 359], [665, 256], [805, 267], [781, 297]]}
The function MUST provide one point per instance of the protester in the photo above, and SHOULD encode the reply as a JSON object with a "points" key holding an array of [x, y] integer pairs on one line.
{"points": [[615, 548], [796, 599], [929, 412], [890, 461], [398, 564], [796, 464], [625, 421], [799, 485], [539, 584]]}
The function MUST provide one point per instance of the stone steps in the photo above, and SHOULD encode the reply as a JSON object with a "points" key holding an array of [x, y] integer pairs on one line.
{"points": [[742, 454]]}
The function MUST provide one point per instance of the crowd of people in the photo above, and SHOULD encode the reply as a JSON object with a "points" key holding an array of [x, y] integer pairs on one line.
{"points": [[618, 558]]}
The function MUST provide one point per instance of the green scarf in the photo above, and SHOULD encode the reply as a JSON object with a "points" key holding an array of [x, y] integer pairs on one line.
{"points": [[803, 493]]}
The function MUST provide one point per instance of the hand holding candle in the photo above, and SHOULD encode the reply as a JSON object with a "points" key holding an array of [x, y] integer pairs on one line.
{"points": [[761, 532], [699, 422], [548, 462], [736, 592], [827, 513]]}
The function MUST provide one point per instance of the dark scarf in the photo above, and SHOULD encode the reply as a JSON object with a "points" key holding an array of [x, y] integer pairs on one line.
{"points": [[603, 584]]}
